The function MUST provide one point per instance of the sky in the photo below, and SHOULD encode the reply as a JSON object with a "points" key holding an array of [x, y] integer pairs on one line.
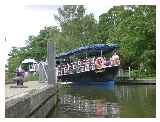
{"points": [[23, 20]]}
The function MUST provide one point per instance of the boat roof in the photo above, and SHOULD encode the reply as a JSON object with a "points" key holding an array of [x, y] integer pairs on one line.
{"points": [[91, 49], [29, 60]]}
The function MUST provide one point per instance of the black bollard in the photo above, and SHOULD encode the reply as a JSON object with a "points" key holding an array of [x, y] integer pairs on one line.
{"points": [[19, 80]]}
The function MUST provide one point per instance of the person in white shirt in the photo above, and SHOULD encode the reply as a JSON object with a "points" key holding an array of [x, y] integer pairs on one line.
{"points": [[115, 59]]}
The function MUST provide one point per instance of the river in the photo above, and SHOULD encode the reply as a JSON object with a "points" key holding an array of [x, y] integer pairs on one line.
{"points": [[119, 101]]}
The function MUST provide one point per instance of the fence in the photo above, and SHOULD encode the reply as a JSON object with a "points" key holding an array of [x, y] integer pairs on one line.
{"points": [[9, 77], [43, 71], [123, 74]]}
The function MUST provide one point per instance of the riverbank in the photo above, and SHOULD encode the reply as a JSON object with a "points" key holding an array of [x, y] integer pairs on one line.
{"points": [[137, 82], [34, 99]]}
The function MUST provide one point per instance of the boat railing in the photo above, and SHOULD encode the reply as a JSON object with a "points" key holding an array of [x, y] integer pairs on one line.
{"points": [[78, 67]]}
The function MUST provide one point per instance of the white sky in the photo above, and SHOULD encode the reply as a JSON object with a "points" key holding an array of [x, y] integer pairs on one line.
{"points": [[20, 21]]}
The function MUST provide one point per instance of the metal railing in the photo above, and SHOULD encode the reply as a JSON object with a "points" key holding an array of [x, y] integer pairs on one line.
{"points": [[43, 71], [123, 74], [76, 67]]}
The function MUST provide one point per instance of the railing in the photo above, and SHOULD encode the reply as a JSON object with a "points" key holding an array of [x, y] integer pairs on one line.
{"points": [[42, 71], [123, 74], [76, 67], [82, 66], [68, 68]]}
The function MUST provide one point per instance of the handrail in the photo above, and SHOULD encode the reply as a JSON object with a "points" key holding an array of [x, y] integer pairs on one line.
{"points": [[79, 67]]}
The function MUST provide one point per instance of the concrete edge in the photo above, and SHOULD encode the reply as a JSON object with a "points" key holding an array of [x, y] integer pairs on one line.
{"points": [[27, 104], [143, 82]]}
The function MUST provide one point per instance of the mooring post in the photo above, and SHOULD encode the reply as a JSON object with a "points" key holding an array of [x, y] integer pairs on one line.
{"points": [[51, 59]]}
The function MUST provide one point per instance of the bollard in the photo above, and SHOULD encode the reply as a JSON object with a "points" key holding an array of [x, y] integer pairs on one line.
{"points": [[19, 80]]}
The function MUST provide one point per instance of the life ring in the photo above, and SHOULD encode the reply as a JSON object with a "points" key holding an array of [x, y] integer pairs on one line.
{"points": [[99, 63]]}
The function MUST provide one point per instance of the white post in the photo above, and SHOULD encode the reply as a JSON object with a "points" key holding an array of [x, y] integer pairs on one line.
{"points": [[101, 53], [129, 72], [86, 54]]}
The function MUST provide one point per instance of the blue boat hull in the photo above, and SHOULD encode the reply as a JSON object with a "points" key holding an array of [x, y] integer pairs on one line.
{"points": [[92, 77]]}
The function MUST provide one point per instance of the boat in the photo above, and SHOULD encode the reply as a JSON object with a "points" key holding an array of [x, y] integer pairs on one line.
{"points": [[29, 65], [93, 67]]}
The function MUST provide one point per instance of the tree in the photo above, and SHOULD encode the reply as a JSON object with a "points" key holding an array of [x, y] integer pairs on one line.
{"points": [[37, 47], [76, 27], [14, 60], [133, 28], [69, 12]]}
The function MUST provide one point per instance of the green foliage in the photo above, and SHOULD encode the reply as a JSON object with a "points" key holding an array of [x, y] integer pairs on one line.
{"points": [[142, 74], [14, 60], [77, 28], [136, 74], [68, 13], [133, 29], [32, 77]]}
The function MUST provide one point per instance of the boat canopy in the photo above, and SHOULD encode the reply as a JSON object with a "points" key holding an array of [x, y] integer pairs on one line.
{"points": [[25, 61], [90, 49]]}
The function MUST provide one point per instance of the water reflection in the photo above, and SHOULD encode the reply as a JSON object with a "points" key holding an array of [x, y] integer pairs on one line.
{"points": [[121, 101], [137, 101], [97, 108]]}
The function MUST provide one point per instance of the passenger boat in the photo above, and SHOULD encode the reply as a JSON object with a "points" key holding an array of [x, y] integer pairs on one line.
{"points": [[91, 69]]}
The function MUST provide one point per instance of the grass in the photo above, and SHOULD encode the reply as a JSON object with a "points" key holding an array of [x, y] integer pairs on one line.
{"points": [[144, 78], [147, 78]]}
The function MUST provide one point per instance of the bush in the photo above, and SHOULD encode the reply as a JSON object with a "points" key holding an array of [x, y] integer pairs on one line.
{"points": [[135, 74], [32, 77], [9, 76], [140, 73]]}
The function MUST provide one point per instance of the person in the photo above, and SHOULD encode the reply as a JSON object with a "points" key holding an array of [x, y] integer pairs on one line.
{"points": [[100, 63], [99, 108], [108, 62], [115, 59], [19, 72], [19, 75]]}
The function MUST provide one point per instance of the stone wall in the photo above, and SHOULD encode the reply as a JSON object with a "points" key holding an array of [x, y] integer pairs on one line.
{"points": [[35, 103]]}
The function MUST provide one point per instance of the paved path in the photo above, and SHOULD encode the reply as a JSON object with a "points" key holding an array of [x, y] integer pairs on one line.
{"points": [[10, 92]]}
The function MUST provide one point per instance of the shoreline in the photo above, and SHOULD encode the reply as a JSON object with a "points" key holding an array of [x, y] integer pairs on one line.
{"points": [[137, 82]]}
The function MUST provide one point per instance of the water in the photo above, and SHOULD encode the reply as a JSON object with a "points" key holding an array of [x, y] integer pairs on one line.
{"points": [[98, 101]]}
